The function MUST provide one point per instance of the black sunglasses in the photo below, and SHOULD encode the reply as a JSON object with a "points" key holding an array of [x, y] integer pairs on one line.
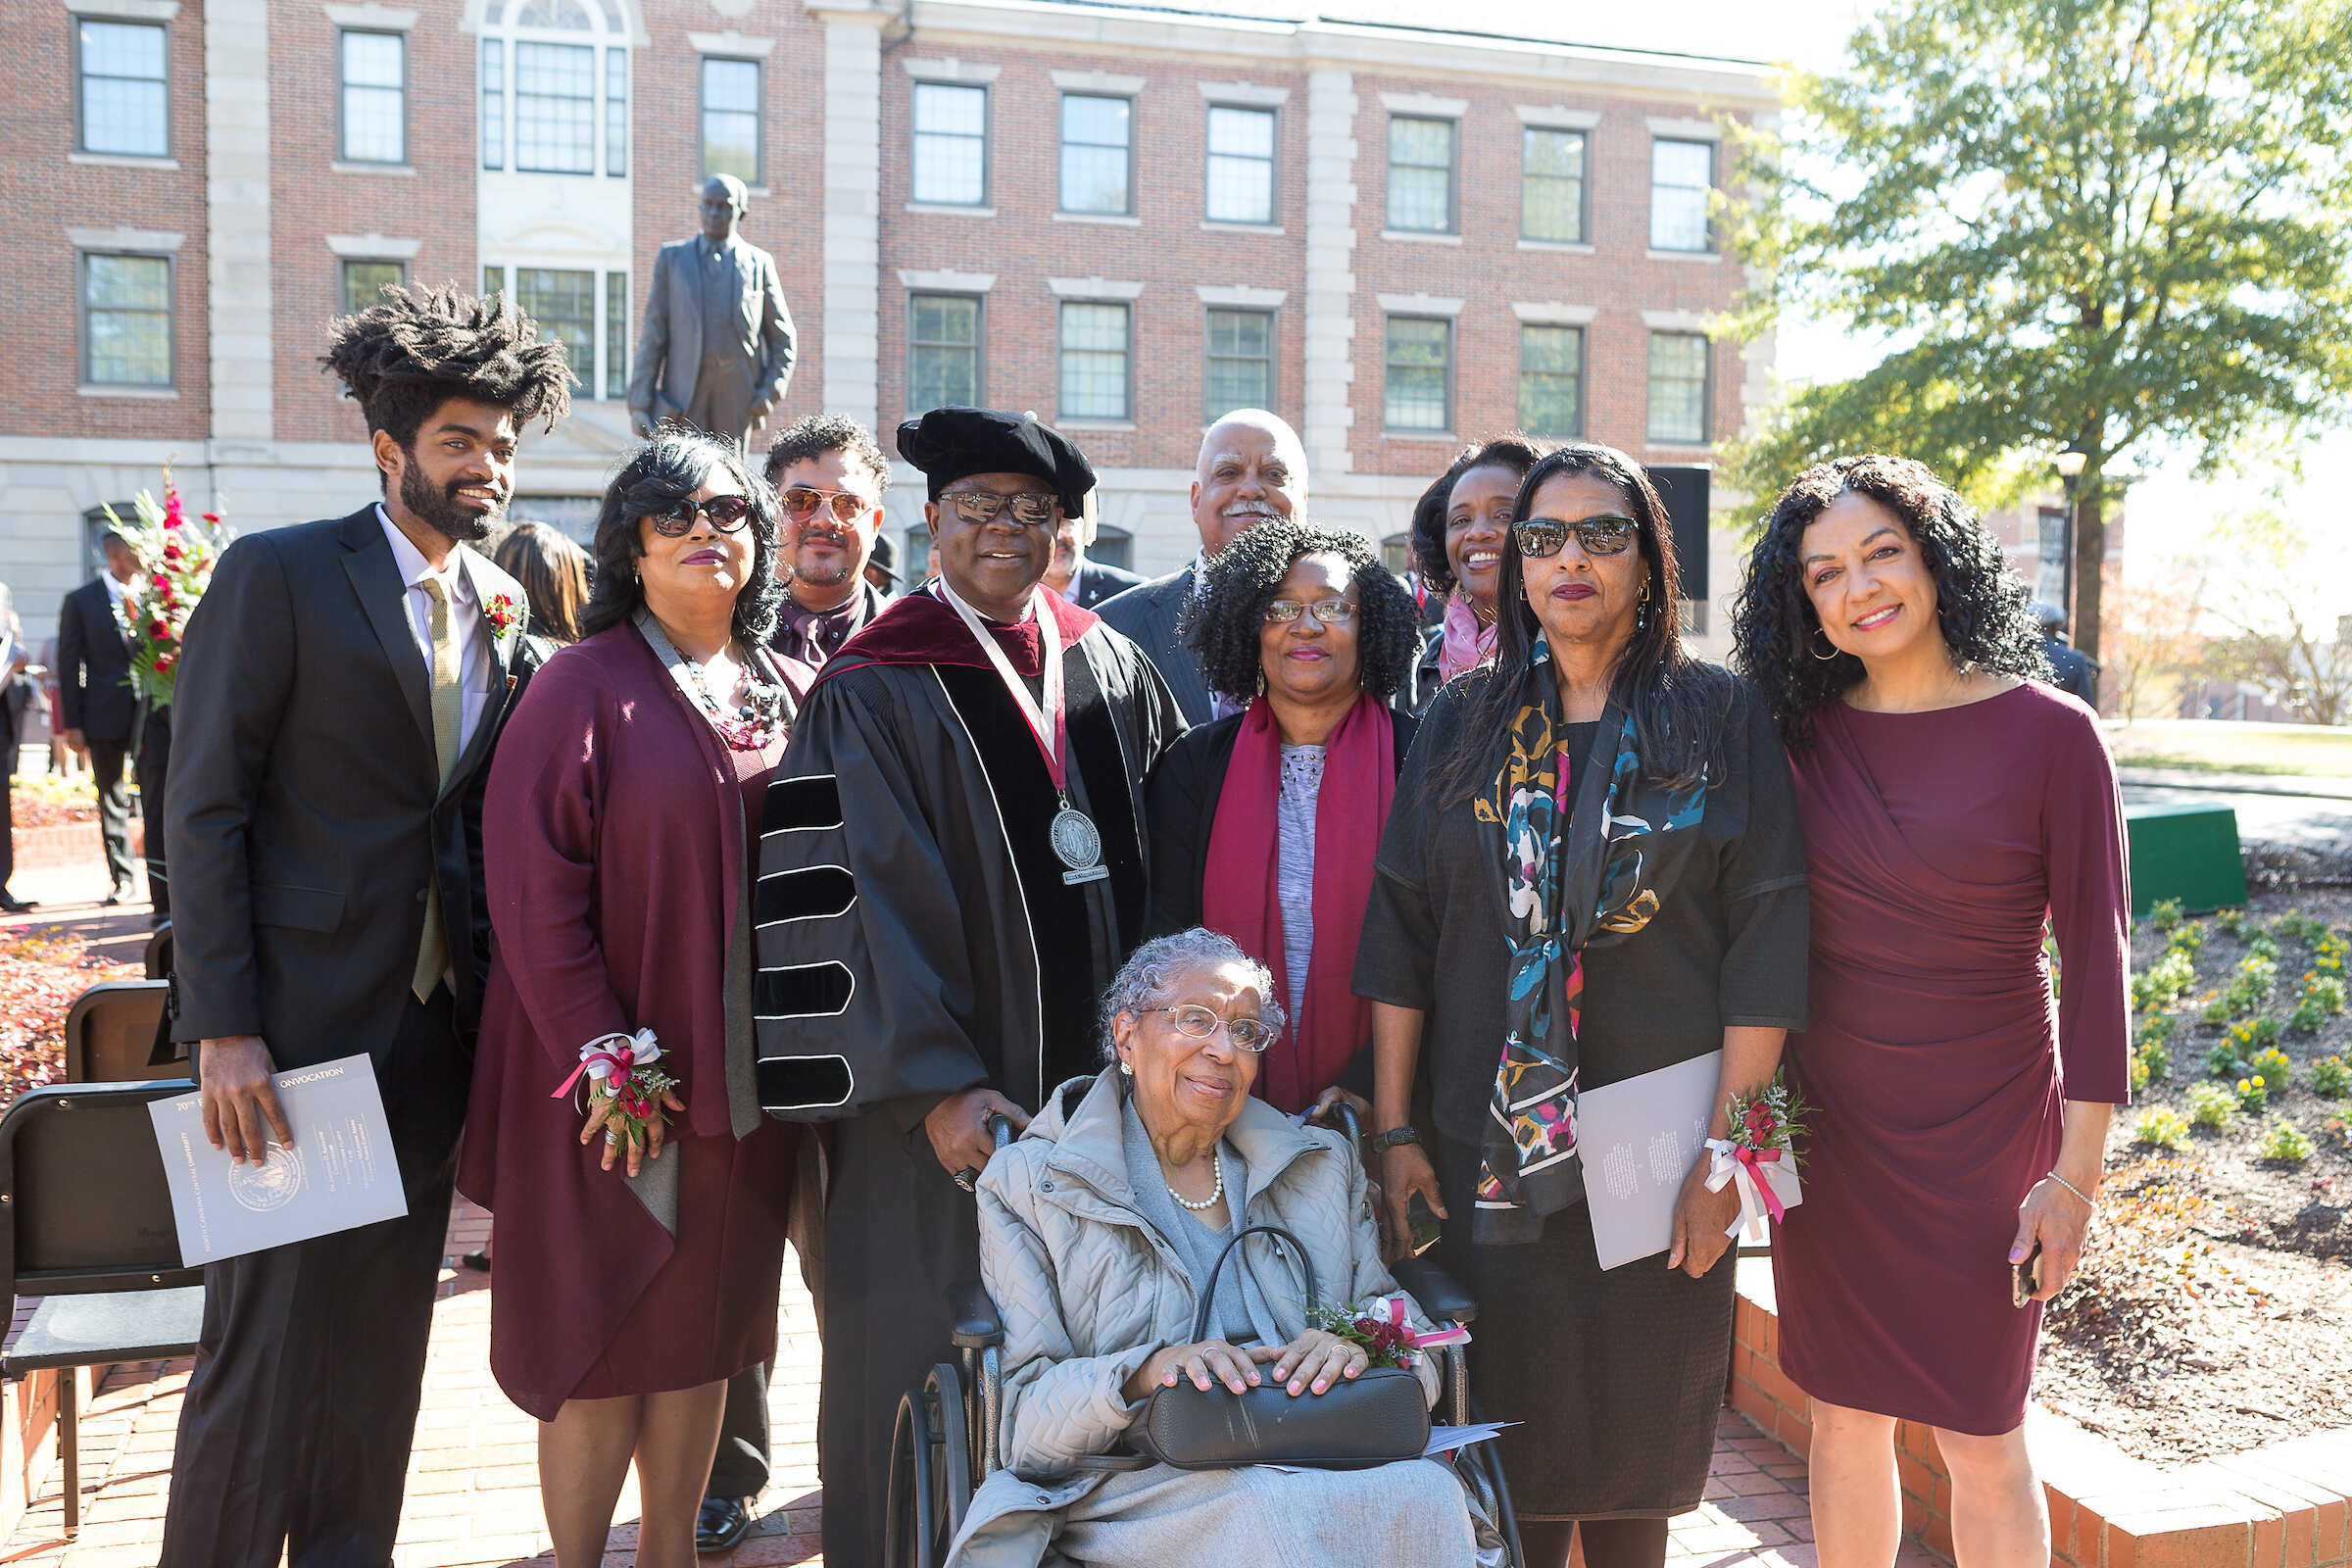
{"points": [[1542, 538], [727, 514]]}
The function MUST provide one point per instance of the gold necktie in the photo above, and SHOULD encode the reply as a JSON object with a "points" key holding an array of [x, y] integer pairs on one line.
{"points": [[449, 710]]}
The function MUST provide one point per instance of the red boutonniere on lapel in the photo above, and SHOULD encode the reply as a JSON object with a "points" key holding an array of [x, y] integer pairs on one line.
{"points": [[503, 613]]}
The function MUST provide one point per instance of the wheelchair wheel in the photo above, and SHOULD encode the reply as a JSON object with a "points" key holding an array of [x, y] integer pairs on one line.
{"points": [[930, 1472]]}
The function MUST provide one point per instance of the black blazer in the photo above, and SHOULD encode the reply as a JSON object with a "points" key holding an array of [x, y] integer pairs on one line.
{"points": [[1098, 583], [304, 813], [1180, 808], [93, 668]]}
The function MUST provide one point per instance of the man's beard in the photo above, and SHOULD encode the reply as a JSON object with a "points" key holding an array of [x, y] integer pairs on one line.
{"points": [[830, 574], [441, 511]]}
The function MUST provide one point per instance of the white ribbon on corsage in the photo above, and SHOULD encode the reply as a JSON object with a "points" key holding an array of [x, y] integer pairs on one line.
{"points": [[605, 1056], [1767, 1182]]}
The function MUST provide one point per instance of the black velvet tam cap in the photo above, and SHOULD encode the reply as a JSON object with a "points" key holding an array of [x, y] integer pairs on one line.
{"points": [[947, 444]]}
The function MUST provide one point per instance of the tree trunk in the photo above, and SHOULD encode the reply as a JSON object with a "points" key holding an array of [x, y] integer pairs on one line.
{"points": [[2091, 557]]}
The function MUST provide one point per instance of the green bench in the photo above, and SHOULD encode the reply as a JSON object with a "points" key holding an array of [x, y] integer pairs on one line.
{"points": [[2188, 853]]}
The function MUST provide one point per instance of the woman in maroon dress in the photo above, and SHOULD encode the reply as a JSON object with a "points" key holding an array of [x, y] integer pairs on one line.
{"points": [[1953, 805], [635, 1276]]}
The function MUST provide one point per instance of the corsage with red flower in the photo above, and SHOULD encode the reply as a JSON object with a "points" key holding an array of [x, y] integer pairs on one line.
{"points": [[1382, 1326], [503, 613], [627, 1093], [1760, 1157]]}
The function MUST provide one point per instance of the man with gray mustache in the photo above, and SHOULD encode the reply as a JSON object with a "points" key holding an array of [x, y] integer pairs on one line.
{"points": [[1251, 467]]}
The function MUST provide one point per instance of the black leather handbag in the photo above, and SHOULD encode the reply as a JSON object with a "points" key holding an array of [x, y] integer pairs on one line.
{"points": [[1373, 1418]]}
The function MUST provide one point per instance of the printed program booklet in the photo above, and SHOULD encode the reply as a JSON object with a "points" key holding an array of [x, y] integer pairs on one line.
{"points": [[339, 1173], [1640, 1138]]}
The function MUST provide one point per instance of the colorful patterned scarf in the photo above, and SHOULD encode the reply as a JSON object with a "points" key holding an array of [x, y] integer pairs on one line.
{"points": [[1566, 893]]}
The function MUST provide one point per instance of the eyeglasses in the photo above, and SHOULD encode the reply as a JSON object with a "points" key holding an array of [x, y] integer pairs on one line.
{"points": [[1324, 612], [727, 514], [802, 501], [1196, 1022], [1542, 538], [1036, 508]]}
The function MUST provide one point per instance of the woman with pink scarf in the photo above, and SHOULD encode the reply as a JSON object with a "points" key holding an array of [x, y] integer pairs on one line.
{"points": [[1457, 535]]}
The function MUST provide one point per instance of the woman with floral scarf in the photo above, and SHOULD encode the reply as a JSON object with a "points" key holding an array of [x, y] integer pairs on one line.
{"points": [[1594, 842]]}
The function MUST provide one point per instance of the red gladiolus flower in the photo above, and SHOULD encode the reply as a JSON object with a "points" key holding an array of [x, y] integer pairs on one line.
{"points": [[174, 514], [212, 517], [156, 628], [163, 663]]}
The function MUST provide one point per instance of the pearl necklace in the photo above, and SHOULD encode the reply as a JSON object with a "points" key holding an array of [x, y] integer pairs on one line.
{"points": [[1208, 1202]]}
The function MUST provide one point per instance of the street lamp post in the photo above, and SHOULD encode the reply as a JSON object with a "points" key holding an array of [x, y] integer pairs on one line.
{"points": [[2070, 478]]}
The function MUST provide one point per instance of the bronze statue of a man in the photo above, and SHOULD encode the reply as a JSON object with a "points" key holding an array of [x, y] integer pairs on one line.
{"points": [[717, 347]]}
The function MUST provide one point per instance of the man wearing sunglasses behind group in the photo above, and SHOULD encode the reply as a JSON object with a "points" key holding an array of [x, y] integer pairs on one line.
{"points": [[829, 475], [952, 870]]}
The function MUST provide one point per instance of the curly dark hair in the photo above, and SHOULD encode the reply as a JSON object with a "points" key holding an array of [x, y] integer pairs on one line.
{"points": [[1512, 450], [1980, 608], [662, 472], [1223, 623], [812, 435], [1678, 701], [405, 356]]}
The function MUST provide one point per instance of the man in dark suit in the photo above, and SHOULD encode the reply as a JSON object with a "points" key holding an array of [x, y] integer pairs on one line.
{"points": [[18, 695], [341, 688], [2071, 669], [1251, 467], [1083, 582], [101, 716], [717, 347]]}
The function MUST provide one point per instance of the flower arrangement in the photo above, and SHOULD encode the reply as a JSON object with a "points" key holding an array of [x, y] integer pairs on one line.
{"points": [[626, 1090], [503, 613], [1760, 1154], [178, 555], [1383, 1329]]}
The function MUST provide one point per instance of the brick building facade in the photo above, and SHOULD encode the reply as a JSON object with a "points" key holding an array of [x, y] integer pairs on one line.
{"points": [[1125, 220]]}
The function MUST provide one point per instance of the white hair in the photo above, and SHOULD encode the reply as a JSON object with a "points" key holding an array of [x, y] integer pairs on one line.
{"points": [[1152, 975], [1286, 439]]}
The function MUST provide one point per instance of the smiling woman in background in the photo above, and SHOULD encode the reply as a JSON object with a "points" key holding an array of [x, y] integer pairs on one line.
{"points": [[635, 1276], [1952, 807], [1458, 530], [1263, 825]]}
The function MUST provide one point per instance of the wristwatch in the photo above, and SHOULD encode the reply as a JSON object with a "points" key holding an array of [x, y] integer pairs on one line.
{"points": [[1395, 1136]]}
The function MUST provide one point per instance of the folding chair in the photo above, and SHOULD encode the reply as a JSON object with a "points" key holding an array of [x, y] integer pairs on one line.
{"points": [[115, 1034], [85, 1225], [159, 952]]}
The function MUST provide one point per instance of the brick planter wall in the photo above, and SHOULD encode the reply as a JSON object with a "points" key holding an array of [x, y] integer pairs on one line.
{"points": [[2287, 1506], [71, 844]]}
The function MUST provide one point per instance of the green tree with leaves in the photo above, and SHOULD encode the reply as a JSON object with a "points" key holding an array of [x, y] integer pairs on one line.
{"points": [[2098, 223]]}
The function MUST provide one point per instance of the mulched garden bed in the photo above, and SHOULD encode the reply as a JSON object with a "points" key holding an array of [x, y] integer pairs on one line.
{"points": [[40, 975], [2213, 1311]]}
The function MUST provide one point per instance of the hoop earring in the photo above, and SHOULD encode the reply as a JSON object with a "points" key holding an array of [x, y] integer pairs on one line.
{"points": [[1824, 658]]}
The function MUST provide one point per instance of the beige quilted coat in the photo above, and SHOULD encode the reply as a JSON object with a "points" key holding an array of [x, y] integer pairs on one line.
{"points": [[1087, 1290]]}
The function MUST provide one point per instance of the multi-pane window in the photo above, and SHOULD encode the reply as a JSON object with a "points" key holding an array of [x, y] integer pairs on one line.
{"points": [[1420, 175], [1679, 172], [375, 97], [1678, 388], [563, 303], [1094, 360], [122, 82], [1241, 165], [617, 335], [617, 112], [555, 107], [1551, 380], [950, 144], [731, 119], [1241, 363], [943, 352], [364, 281], [1418, 389], [494, 103], [1097, 135], [1552, 184], [127, 320]]}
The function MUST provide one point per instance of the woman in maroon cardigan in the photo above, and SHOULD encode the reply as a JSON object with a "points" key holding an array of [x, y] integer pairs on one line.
{"points": [[636, 1274], [1953, 806]]}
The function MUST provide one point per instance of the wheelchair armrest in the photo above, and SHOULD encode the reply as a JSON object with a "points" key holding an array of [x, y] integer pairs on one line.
{"points": [[1435, 1289], [974, 1315]]}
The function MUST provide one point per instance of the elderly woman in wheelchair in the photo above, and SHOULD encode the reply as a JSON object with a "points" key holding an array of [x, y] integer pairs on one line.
{"points": [[1098, 1230]]}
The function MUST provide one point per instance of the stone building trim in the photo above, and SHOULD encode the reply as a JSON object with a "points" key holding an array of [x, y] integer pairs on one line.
{"points": [[1419, 305], [944, 281], [372, 18], [1685, 130], [1676, 321], [1557, 116], [1245, 94], [1240, 296], [237, 214], [1330, 313], [1094, 288], [853, 247], [1109, 82], [125, 10], [1552, 312], [124, 238], [731, 45], [962, 70], [373, 247], [1425, 103]]}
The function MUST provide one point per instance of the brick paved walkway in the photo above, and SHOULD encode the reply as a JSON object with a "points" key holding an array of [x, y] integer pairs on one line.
{"points": [[473, 1496]]}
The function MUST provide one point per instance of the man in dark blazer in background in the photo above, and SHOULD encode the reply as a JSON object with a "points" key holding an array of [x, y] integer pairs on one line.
{"points": [[341, 689], [1083, 581], [1251, 467], [103, 716], [716, 346]]}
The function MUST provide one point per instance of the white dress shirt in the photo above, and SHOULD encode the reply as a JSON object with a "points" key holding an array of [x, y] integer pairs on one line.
{"points": [[117, 590], [476, 661]]}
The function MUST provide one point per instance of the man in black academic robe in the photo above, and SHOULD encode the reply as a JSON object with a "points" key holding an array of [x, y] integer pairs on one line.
{"points": [[927, 955]]}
